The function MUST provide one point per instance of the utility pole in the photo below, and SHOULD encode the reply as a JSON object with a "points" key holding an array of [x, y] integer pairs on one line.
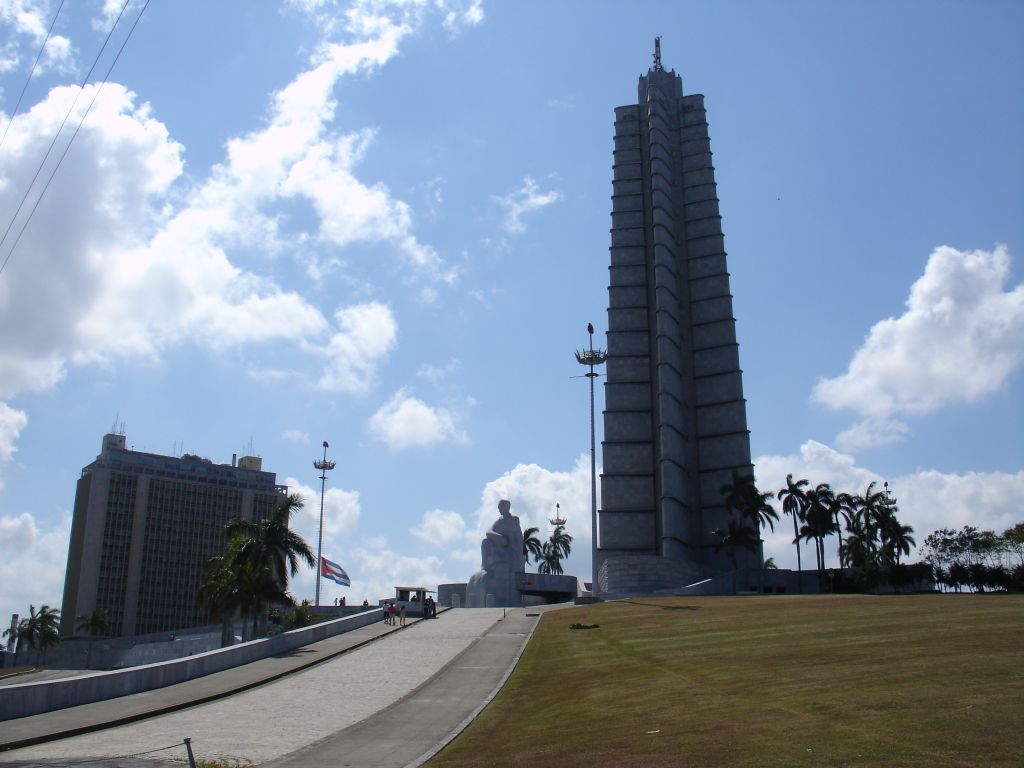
{"points": [[591, 357], [323, 466]]}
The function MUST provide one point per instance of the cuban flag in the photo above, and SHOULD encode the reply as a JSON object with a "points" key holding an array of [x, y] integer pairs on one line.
{"points": [[334, 572]]}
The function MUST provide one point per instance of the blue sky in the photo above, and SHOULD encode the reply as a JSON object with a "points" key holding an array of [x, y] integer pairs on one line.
{"points": [[385, 225]]}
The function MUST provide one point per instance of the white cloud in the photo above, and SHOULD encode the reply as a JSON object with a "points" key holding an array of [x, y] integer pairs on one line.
{"points": [[296, 436], [26, 21], [927, 500], [377, 573], [366, 334], [440, 527], [961, 336], [32, 563], [526, 199], [438, 374], [122, 261], [12, 421], [341, 516], [872, 432], [469, 14], [534, 491], [406, 422]]}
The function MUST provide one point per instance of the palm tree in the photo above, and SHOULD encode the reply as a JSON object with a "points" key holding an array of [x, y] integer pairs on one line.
{"points": [[220, 595], [756, 508], [870, 510], [21, 635], [898, 541], [267, 549], [39, 630], [272, 543], [554, 551], [819, 518], [532, 546], [95, 623], [737, 534], [561, 541], [551, 562], [794, 503], [840, 504]]}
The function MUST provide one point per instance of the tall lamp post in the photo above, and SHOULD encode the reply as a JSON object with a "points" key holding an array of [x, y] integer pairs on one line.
{"points": [[323, 465], [591, 357]]}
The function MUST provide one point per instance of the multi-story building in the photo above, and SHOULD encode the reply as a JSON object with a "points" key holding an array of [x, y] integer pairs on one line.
{"points": [[144, 525], [675, 425]]}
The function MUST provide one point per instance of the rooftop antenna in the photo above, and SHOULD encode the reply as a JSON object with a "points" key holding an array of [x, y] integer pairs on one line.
{"points": [[657, 54]]}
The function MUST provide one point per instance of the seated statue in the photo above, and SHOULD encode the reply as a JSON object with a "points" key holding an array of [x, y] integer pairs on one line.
{"points": [[501, 562]]}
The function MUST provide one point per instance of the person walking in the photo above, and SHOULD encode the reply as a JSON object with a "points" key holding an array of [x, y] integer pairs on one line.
{"points": [[401, 615]]}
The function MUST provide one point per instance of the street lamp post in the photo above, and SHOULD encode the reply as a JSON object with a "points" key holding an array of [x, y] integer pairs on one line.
{"points": [[323, 466], [591, 357]]}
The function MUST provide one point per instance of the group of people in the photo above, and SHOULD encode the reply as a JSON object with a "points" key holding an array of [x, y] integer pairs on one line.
{"points": [[341, 601], [396, 613], [393, 614]]}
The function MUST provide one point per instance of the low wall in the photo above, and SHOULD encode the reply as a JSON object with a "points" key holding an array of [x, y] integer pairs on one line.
{"points": [[27, 699]]}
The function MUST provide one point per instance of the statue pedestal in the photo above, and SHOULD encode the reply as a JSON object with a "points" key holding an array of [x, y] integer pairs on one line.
{"points": [[493, 589]]}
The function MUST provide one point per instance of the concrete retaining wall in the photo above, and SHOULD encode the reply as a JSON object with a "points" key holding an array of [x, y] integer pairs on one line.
{"points": [[34, 698]]}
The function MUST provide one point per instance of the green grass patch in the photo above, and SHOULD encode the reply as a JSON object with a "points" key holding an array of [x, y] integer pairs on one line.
{"points": [[921, 680]]}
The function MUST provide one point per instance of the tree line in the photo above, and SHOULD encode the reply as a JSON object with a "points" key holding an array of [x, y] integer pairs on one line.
{"points": [[871, 538], [978, 560]]}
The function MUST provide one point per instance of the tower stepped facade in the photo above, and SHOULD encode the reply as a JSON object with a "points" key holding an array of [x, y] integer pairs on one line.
{"points": [[675, 422]]}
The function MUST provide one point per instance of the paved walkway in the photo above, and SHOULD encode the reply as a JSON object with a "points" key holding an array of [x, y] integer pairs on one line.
{"points": [[384, 704]]}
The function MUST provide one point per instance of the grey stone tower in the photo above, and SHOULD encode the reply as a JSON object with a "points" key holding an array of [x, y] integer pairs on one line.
{"points": [[675, 424]]}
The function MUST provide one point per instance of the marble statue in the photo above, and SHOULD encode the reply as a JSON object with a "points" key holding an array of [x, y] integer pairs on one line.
{"points": [[501, 562]]}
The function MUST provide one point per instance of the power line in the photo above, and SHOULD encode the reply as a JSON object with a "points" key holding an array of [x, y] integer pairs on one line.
{"points": [[31, 72], [67, 147], [53, 143]]}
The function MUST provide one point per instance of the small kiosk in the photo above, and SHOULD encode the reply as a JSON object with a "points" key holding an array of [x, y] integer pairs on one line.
{"points": [[413, 598]]}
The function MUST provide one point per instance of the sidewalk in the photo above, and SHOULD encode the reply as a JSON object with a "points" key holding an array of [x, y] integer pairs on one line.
{"points": [[62, 723], [386, 704]]}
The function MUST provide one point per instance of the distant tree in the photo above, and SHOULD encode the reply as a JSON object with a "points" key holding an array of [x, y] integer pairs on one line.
{"points": [[96, 623], [554, 551], [769, 564], [841, 504], [737, 534], [793, 504], [220, 594], [39, 630], [818, 514], [532, 545], [271, 543]]}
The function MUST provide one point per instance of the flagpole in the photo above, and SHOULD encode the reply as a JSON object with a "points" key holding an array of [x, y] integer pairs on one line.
{"points": [[323, 466]]}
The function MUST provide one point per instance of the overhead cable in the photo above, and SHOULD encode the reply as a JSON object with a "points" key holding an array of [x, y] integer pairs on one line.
{"points": [[30, 73], [53, 143]]}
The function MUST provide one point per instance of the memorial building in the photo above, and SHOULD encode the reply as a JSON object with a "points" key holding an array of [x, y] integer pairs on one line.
{"points": [[675, 425]]}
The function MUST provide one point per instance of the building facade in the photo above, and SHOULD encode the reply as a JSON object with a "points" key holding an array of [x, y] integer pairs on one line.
{"points": [[144, 525], [675, 424]]}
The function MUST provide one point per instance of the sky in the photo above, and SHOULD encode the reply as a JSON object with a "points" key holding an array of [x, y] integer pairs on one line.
{"points": [[384, 224]]}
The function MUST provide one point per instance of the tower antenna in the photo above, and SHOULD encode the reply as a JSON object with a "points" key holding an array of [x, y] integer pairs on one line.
{"points": [[657, 54]]}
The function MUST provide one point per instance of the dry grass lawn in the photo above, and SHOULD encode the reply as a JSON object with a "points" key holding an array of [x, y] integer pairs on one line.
{"points": [[914, 680]]}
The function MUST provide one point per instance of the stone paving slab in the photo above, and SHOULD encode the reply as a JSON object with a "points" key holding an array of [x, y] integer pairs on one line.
{"points": [[273, 720]]}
